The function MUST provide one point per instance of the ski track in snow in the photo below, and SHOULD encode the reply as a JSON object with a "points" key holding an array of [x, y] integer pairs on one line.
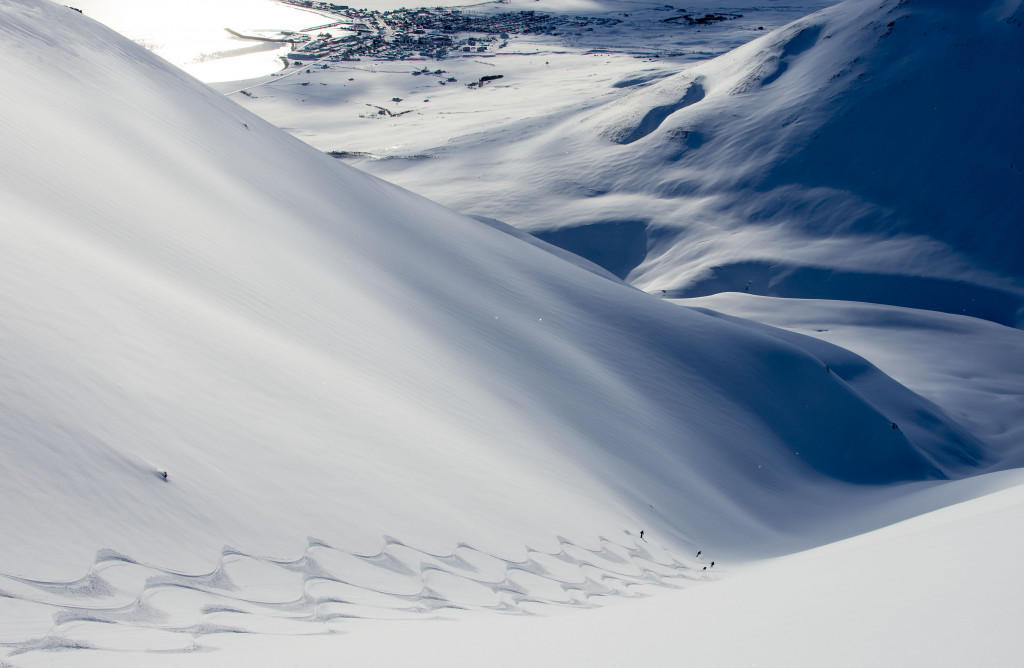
{"points": [[124, 605]]}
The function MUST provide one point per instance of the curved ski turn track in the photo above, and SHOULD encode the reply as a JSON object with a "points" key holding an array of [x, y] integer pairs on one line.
{"points": [[124, 605]]}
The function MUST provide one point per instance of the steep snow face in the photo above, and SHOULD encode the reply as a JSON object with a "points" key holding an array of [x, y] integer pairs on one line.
{"points": [[869, 152], [308, 352]]}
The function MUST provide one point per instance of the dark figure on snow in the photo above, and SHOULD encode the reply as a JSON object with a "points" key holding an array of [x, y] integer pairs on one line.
{"points": [[712, 564], [698, 553], [895, 426], [641, 534], [163, 474]]}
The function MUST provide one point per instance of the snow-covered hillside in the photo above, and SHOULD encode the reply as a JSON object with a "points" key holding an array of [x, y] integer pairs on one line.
{"points": [[247, 389], [938, 590], [191, 290], [869, 152]]}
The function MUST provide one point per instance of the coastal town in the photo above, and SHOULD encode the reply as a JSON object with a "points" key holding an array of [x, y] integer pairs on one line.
{"points": [[439, 33]]}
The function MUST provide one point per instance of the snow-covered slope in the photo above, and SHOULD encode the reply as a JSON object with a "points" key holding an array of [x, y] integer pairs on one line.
{"points": [[246, 388], [937, 590], [870, 152], [190, 290]]}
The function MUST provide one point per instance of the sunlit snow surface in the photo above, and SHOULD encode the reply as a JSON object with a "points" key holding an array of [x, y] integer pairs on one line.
{"points": [[191, 33]]}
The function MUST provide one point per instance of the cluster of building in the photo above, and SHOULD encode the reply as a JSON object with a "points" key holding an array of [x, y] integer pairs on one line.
{"points": [[427, 33], [322, 6], [699, 20]]}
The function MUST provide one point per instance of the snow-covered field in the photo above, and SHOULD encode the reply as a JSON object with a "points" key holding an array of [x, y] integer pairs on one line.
{"points": [[261, 408]]}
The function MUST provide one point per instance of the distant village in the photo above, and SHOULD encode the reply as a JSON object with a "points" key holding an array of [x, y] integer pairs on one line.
{"points": [[438, 33]]}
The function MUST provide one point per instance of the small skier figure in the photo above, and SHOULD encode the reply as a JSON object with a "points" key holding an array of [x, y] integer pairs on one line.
{"points": [[163, 474], [698, 553], [712, 564], [895, 426], [642, 534]]}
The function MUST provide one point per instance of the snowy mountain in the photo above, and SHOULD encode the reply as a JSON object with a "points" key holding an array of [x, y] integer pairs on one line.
{"points": [[867, 152], [199, 293], [248, 390]]}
